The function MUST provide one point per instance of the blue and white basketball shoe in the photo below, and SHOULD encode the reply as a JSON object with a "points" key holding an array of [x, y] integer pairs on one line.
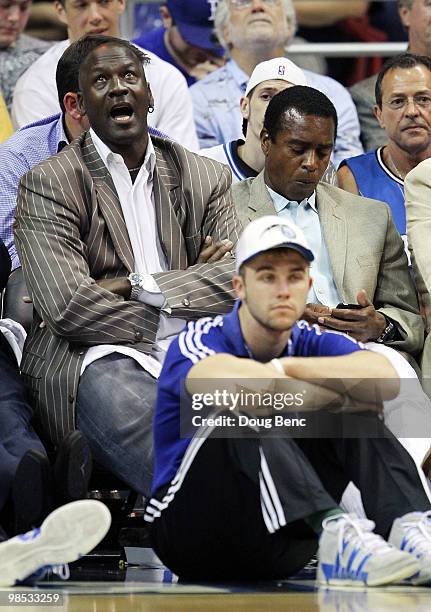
{"points": [[66, 534], [350, 554], [412, 534]]}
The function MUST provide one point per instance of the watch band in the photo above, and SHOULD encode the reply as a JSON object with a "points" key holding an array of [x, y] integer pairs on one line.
{"points": [[388, 333], [137, 282], [134, 293]]}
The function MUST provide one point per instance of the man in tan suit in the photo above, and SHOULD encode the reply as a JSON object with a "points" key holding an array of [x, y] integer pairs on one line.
{"points": [[360, 260], [114, 235], [417, 187]]}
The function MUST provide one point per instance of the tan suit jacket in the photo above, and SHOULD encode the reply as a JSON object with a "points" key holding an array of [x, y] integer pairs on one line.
{"points": [[365, 251], [417, 188], [70, 231]]}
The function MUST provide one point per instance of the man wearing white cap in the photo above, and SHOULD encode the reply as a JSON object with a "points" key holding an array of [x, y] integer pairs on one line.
{"points": [[235, 496], [245, 157], [252, 31]]}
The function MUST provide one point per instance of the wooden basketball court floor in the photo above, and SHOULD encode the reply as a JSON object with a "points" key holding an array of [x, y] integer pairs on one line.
{"points": [[100, 587]]}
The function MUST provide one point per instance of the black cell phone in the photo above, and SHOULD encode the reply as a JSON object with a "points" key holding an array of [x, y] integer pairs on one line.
{"points": [[349, 306]]}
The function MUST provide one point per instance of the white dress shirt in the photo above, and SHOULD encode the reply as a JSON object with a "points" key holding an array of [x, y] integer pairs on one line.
{"points": [[35, 96], [137, 204]]}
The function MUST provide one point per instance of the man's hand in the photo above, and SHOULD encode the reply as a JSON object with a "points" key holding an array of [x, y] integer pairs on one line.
{"points": [[120, 286], [363, 324], [214, 251], [313, 312]]}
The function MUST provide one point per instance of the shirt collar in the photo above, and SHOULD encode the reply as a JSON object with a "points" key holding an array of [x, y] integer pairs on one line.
{"points": [[238, 74], [280, 202], [60, 134], [109, 156]]}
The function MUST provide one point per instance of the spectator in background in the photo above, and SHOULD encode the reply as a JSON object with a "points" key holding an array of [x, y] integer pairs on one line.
{"points": [[186, 39], [6, 128], [253, 31], [17, 51], [415, 16], [36, 94], [403, 110], [245, 157]]}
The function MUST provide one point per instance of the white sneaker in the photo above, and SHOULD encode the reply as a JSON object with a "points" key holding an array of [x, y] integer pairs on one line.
{"points": [[65, 535], [350, 554], [412, 534]]}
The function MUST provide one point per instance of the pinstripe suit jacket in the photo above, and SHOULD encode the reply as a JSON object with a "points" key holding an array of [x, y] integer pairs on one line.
{"points": [[365, 251], [70, 230]]}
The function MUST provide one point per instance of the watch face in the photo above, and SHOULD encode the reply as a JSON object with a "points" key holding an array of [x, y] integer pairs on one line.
{"points": [[135, 278]]}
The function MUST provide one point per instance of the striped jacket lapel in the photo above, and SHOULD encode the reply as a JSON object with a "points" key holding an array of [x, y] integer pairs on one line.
{"points": [[167, 203], [109, 203]]}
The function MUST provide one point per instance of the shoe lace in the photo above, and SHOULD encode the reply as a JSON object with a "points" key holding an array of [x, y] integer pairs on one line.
{"points": [[357, 532], [418, 533]]}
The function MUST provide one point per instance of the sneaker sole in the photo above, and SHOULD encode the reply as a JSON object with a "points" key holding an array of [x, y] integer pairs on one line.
{"points": [[66, 534], [406, 572]]}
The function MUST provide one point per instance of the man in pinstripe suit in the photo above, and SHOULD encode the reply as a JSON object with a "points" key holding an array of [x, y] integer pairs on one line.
{"points": [[113, 235]]}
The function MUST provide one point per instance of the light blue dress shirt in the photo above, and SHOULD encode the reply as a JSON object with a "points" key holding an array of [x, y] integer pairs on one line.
{"points": [[218, 119], [304, 214]]}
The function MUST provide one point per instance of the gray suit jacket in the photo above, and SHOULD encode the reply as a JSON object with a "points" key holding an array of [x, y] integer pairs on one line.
{"points": [[70, 231], [372, 135], [417, 187], [365, 250]]}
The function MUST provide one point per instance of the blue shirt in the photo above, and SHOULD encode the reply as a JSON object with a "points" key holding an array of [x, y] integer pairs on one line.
{"points": [[218, 119], [375, 180], [25, 149], [304, 214], [206, 337], [18, 154], [154, 41]]}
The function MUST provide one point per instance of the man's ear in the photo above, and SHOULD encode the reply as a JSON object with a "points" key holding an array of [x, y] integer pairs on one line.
{"points": [[404, 14], [71, 105], [166, 17], [265, 141], [121, 6], [61, 12], [150, 96], [80, 106], [378, 113], [238, 286], [244, 106]]}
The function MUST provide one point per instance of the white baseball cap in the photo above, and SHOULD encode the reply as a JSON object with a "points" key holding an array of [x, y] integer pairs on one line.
{"points": [[277, 68], [270, 232]]}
